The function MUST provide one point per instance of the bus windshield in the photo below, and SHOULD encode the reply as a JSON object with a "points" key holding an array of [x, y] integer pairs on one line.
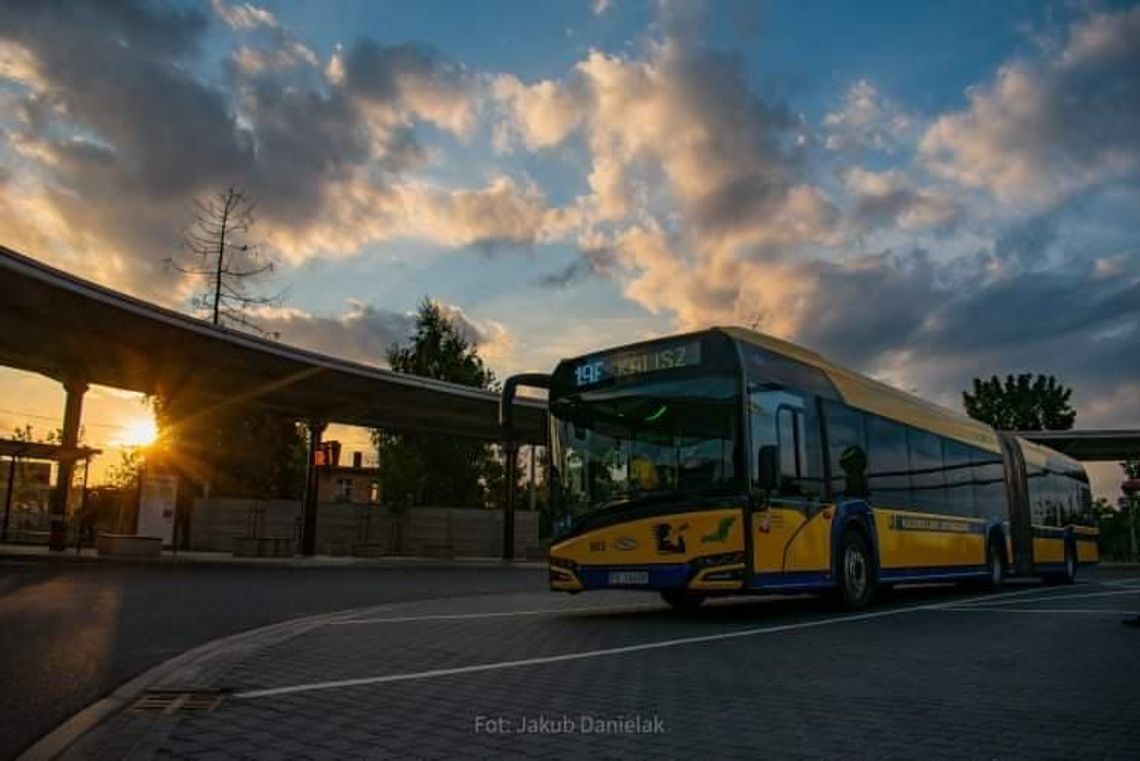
{"points": [[621, 445]]}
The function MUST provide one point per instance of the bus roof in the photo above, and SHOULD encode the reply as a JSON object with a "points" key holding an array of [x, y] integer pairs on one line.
{"points": [[873, 396]]}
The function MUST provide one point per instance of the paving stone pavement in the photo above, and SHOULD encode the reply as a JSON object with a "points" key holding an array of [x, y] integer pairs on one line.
{"points": [[940, 674]]}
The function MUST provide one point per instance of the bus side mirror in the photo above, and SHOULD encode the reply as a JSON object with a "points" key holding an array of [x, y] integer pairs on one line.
{"points": [[767, 472]]}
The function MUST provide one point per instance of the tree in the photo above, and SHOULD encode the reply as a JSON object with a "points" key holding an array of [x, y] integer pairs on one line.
{"points": [[1021, 403], [237, 449], [221, 252], [430, 469], [54, 436], [125, 474]]}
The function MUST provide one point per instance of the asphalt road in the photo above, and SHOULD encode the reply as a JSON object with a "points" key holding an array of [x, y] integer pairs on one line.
{"points": [[1033, 672], [72, 632]]}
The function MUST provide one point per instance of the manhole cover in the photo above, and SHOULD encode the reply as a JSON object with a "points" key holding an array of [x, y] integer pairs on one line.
{"points": [[178, 701]]}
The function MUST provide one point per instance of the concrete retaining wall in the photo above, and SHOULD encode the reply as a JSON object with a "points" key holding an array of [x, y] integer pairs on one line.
{"points": [[368, 529]]}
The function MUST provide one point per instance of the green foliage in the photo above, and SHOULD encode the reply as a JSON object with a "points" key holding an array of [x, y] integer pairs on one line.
{"points": [[1118, 522], [430, 469], [54, 436], [125, 474], [238, 450], [1021, 403], [440, 350]]}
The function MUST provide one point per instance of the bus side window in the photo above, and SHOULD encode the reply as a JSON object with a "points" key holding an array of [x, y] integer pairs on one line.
{"points": [[1038, 497], [927, 477], [790, 423], [846, 451], [790, 435], [889, 476], [988, 475], [960, 498], [801, 461]]}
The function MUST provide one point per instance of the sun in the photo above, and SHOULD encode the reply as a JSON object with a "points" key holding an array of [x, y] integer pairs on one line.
{"points": [[139, 433]]}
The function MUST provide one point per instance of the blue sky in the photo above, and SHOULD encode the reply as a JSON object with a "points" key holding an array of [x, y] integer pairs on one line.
{"points": [[925, 191]]}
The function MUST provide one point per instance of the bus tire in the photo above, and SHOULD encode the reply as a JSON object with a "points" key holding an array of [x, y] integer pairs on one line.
{"points": [[856, 571], [682, 600], [995, 565]]}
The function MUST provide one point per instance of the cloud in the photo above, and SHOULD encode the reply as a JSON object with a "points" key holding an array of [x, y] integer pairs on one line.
{"points": [[253, 61], [679, 131], [243, 15], [354, 211], [542, 114], [499, 214], [1049, 127], [328, 162], [591, 261], [891, 198], [414, 76], [364, 333], [866, 121]]}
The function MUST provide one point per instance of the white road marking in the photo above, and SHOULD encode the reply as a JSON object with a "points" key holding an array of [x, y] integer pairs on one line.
{"points": [[995, 609], [644, 646], [1063, 597], [496, 614], [499, 665], [1042, 591], [1126, 583]]}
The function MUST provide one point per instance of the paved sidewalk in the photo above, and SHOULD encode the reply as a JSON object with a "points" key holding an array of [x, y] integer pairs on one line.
{"points": [[1034, 672], [42, 553]]}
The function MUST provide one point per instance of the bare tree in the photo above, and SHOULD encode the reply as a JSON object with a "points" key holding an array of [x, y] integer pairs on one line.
{"points": [[219, 249]]}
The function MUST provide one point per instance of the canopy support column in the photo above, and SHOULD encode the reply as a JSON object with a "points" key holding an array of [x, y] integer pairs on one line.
{"points": [[309, 506], [511, 445], [76, 387], [8, 496]]}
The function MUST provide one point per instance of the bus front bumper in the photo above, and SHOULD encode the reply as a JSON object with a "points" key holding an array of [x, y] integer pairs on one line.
{"points": [[724, 572]]}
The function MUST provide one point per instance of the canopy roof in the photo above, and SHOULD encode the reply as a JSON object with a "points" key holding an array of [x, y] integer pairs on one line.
{"points": [[1090, 446], [36, 450], [62, 326]]}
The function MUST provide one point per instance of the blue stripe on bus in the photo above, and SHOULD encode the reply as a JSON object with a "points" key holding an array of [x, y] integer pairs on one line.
{"points": [[935, 573], [794, 580]]}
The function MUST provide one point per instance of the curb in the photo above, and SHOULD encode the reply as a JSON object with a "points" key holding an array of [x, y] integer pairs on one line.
{"points": [[183, 666]]}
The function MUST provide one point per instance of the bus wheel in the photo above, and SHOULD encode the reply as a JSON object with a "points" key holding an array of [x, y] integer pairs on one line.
{"points": [[1070, 564], [857, 582], [994, 565], [682, 599]]}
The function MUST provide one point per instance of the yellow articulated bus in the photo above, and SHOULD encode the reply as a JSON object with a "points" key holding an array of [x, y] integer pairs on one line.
{"points": [[729, 462]]}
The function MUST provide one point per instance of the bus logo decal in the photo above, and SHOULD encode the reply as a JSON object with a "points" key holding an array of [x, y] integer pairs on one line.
{"points": [[669, 540], [721, 533]]}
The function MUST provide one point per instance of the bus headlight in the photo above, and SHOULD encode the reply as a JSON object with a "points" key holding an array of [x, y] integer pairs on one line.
{"points": [[557, 562]]}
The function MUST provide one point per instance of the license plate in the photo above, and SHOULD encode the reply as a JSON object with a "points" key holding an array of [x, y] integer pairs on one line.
{"points": [[625, 578]]}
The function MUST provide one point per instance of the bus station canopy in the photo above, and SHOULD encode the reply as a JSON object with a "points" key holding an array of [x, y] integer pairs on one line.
{"points": [[58, 325], [1090, 446], [38, 450]]}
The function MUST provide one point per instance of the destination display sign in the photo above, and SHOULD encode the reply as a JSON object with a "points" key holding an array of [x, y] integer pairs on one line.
{"points": [[621, 364]]}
